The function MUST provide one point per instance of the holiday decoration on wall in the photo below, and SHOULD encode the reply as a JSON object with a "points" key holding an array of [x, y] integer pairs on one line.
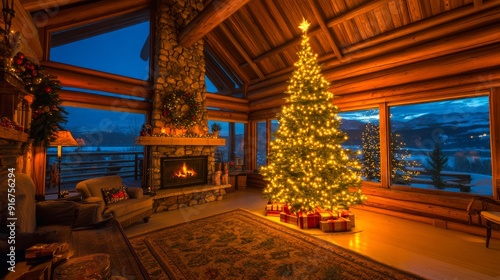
{"points": [[307, 165], [47, 113], [181, 109]]}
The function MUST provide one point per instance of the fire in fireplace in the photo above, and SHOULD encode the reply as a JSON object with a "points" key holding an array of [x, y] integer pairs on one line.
{"points": [[179, 172]]}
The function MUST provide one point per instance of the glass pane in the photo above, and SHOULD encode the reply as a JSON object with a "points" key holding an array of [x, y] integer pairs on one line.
{"points": [[222, 152], [261, 151], [105, 51], [363, 132], [239, 141], [107, 146], [442, 145], [274, 127]]}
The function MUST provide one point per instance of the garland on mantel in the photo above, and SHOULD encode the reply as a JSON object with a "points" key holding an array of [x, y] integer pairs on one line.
{"points": [[172, 109], [47, 113]]}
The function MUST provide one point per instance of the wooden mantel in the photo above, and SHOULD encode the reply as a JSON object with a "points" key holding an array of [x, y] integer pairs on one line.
{"points": [[179, 141]]}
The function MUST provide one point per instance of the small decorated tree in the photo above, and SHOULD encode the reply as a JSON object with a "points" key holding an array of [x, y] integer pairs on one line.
{"points": [[307, 165]]}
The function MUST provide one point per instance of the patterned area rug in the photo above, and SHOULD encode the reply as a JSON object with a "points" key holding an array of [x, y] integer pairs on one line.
{"points": [[241, 245]]}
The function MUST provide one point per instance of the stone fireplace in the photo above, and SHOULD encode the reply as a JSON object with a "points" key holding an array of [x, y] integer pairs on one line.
{"points": [[179, 69]]}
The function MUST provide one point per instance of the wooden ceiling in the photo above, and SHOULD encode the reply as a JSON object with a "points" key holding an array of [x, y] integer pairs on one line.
{"points": [[257, 40]]}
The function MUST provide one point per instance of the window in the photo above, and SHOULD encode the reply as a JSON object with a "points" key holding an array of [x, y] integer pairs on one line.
{"points": [[222, 153], [107, 147], [261, 145], [234, 133], [363, 132], [100, 46], [442, 145], [274, 127]]}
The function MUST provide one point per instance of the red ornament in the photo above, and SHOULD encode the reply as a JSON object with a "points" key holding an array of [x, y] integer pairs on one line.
{"points": [[47, 89]]}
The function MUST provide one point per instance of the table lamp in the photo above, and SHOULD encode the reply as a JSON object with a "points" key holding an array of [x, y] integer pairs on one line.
{"points": [[63, 138]]}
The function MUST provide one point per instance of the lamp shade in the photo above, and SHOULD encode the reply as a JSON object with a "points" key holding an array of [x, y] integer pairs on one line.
{"points": [[64, 138]]}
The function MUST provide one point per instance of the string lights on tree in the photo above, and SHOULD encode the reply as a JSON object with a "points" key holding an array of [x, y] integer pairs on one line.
{"points": [[307, 165]]}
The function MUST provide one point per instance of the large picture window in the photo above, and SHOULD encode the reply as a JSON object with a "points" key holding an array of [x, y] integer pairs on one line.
{"points": [[99, 46], [363, 139], [442, 145], [106, 147]]}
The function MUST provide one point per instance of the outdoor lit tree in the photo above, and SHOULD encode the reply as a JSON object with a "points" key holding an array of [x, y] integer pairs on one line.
{"points": [[307, 165], [437, 162], [371, 152], [402, 168]]}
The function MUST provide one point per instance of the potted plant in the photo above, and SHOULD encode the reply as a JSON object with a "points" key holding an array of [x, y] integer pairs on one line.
{"points": [[215, 129]]}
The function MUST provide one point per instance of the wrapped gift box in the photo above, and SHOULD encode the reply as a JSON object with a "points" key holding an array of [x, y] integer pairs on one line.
{"points": [[325, 215], [273, 213], [310, 220], [288, 218], [275, 206], [340, 224], [348, 215]]}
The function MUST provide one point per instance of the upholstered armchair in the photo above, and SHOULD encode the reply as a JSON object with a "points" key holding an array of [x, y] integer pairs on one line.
{"points": [[126, 205], [35, 222]]}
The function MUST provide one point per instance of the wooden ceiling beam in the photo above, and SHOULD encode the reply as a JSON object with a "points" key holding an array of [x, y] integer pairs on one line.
{"points": [[93, 12], [359, 10], [75, 98], [76, 77], [241, 51], [406, 39], [290, 44], [47, 5], [219, 48], [209, 18], [319, 17]]}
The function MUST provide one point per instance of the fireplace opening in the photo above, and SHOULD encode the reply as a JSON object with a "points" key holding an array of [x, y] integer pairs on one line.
{"points": [[179, 172]]}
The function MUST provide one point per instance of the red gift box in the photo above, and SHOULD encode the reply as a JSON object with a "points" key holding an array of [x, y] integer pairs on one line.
{"points": [[310, 220], [348, 215], [288, 218], [325, 215], [340, 224], [273, 213]]}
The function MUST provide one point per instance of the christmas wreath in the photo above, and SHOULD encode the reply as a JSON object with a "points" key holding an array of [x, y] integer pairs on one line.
{"points": [[172, 109], [47, 113]]}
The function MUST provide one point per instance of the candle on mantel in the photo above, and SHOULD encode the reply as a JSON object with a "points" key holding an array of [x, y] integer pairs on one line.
{"points": [[163, 130]]}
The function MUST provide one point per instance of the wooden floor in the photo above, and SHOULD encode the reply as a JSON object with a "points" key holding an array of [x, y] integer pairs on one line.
{"points": [[428, 251]]}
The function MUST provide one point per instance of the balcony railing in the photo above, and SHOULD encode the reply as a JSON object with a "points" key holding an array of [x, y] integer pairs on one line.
{"points": [[79, 166]]}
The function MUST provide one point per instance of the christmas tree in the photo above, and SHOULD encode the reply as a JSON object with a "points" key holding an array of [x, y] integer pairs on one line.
{"points": [[307, 165], [437, 162], [371, 152]]}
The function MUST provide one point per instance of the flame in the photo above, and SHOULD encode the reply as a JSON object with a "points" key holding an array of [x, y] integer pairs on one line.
{"points": [[184, 172]]}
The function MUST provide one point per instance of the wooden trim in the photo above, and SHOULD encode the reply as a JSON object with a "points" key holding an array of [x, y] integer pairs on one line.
{"points": [[226, 102], [495, 139], [319, 17], [37, 5], [209, 18], [93, 12], [385, 146], [227, 116], [96, 101], [71, 76]]}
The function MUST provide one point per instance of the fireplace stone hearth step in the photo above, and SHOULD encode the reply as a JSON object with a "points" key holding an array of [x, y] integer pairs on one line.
{"points": [[172, 199], [188, 190]]}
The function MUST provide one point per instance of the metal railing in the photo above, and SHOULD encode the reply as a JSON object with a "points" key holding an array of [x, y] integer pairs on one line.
{"points": [[79, 166]]}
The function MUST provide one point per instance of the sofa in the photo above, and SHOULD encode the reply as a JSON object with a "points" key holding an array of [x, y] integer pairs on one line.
{"points": [[80, 225], [126, 204]]}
